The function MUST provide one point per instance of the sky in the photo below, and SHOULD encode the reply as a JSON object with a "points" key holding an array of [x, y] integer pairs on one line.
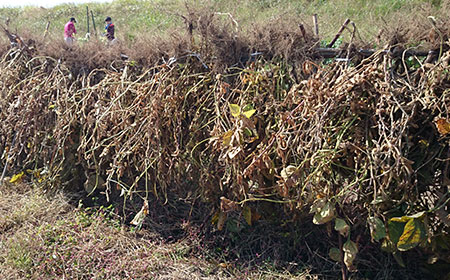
{"points": [[42, 3]]}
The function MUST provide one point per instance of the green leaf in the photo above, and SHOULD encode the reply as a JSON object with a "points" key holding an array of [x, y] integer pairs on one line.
{"points": [[398, 258], [377, 228], [249, 113], [442, 241], [350, 250], [247, 132], [247, 107], [408, 231], [235, 110], [341, 226], [388, 246], [232, 225], [413, 234], [395, 230], [335, 254]]}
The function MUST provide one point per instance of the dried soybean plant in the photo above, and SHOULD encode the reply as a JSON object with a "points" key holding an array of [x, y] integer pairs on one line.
{"points": [[363, 146], [30, 86]]}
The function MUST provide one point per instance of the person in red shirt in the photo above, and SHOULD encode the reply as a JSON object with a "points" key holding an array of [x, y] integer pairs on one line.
{"points": [[69, 30]]}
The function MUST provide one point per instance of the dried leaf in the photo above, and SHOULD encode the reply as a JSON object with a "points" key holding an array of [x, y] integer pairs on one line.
{"points": [[341, 226], [17, 178], [249, 113], [226, 137], [255, 216], [140, 216], [225, 265], [233, 152], [247, 212], [413, 234], [443, 126], [221, 220], [227, 204], [350, 250], [324, 215], [288, 171]]}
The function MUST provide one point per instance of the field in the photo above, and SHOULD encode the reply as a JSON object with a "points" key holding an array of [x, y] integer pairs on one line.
{"points": [[223, 140], [135, 19]]}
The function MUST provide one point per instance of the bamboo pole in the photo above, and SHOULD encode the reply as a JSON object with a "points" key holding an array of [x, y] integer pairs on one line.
{"points": [[330, 52], [338, 34], [316, 25], [302, 29], [2, 177], [46, 29], [93, 23], [87, 18]]}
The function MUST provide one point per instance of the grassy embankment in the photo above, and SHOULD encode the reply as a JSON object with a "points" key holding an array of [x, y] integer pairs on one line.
{"points": [[142, 18]]}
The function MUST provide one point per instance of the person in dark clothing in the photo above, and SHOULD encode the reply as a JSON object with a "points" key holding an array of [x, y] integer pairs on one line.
{"points": [[109, 30]]}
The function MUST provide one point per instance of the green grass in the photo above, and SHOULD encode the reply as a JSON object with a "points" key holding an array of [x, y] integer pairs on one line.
{"points": [[139, 18]]}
